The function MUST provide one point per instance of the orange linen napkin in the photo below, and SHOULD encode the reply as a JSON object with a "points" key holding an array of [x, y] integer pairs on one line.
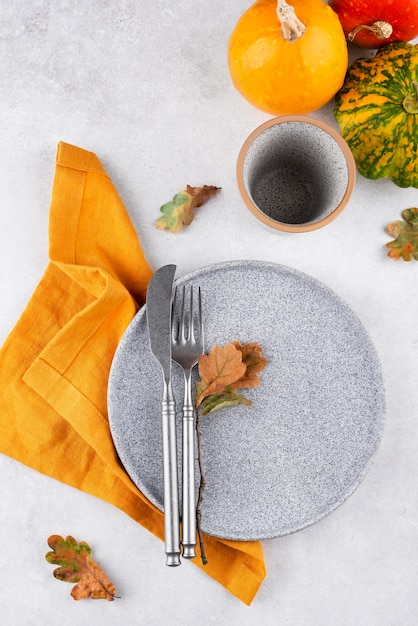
{"points": [[54, 365]]}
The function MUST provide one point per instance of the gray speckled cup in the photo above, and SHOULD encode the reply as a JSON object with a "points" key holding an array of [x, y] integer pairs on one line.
{"points": [[295, 173]]}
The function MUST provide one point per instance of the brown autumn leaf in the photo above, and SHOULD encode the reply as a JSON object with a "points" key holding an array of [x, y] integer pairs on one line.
{"points": [[218, 369], [255, 363], [222, 372], [225, 370], [179, 211], [78, 566]]}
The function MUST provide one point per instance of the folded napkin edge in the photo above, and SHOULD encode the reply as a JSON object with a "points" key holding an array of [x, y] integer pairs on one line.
{"points": [[71, 156]]}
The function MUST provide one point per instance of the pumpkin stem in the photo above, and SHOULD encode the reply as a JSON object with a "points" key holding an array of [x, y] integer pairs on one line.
{"points": [[292, 27], [410, 102], [380, 29]]}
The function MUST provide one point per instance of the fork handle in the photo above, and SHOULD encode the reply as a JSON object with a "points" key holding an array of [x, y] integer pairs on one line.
{"points": [[171, 502], [189, 500]]}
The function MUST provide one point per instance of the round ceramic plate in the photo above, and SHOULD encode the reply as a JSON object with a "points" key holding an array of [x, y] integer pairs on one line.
{"points": [[308, 438]]}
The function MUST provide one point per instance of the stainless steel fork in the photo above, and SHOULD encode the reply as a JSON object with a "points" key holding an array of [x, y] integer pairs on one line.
{"points": [[187, 345]]}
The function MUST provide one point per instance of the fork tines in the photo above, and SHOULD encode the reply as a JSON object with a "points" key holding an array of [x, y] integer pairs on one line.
{"points": [[188, 324]]}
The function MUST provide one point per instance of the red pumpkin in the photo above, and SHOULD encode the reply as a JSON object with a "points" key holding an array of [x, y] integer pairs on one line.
{"points": [[375, 23]]}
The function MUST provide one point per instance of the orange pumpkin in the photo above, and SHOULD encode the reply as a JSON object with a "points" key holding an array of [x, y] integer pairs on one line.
{"points": [[288, 59]]}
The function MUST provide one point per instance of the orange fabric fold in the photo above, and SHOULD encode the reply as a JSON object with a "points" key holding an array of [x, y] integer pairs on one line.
{"points": [[54, 366]]}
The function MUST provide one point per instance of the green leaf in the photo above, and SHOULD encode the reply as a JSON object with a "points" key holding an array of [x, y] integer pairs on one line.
{"points": [[173, 213], [229, 397], [179, 211], [410, 215]]}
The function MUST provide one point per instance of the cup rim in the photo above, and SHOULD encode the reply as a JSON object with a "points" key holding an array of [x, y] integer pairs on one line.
{"points": [[282, 226]]}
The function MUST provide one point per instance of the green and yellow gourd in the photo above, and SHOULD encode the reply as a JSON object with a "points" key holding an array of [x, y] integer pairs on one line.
{"points": [[377, 112]]}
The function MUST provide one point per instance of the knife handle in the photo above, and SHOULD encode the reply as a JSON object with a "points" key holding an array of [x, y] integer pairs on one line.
{"points": [[171, 491], [188, 492]]}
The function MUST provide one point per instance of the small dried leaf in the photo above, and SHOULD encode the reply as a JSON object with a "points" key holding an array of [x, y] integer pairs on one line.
{"points": [[255, 363], [225, 370], [229, 397], [405, 233], [77, 566], [217, 370], [179, 211]]}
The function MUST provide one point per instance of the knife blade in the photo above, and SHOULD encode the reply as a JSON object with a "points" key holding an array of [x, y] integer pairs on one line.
{"points": [[158, 308]]}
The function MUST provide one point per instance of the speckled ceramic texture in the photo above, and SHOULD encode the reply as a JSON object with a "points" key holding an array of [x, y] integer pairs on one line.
{"points": [[296, 172], [316, 420]]}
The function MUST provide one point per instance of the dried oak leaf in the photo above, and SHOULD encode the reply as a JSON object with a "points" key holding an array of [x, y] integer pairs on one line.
{"points": [[405, 232], [217, 370], [77, 566], [179, 211], [255, 363], [227, 398], [225, 370]]}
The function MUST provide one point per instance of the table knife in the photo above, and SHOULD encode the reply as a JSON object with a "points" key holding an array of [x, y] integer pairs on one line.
{"points": [[158, 307]]}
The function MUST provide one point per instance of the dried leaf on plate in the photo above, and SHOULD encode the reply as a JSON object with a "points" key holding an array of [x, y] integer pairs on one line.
{"points": [[255, 363], [76, 565], [225, 370], [227, 398], [222, 372], [218, 369]]}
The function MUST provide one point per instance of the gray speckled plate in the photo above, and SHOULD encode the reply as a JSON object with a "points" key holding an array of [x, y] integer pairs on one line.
{"points": [[316, 420]]}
